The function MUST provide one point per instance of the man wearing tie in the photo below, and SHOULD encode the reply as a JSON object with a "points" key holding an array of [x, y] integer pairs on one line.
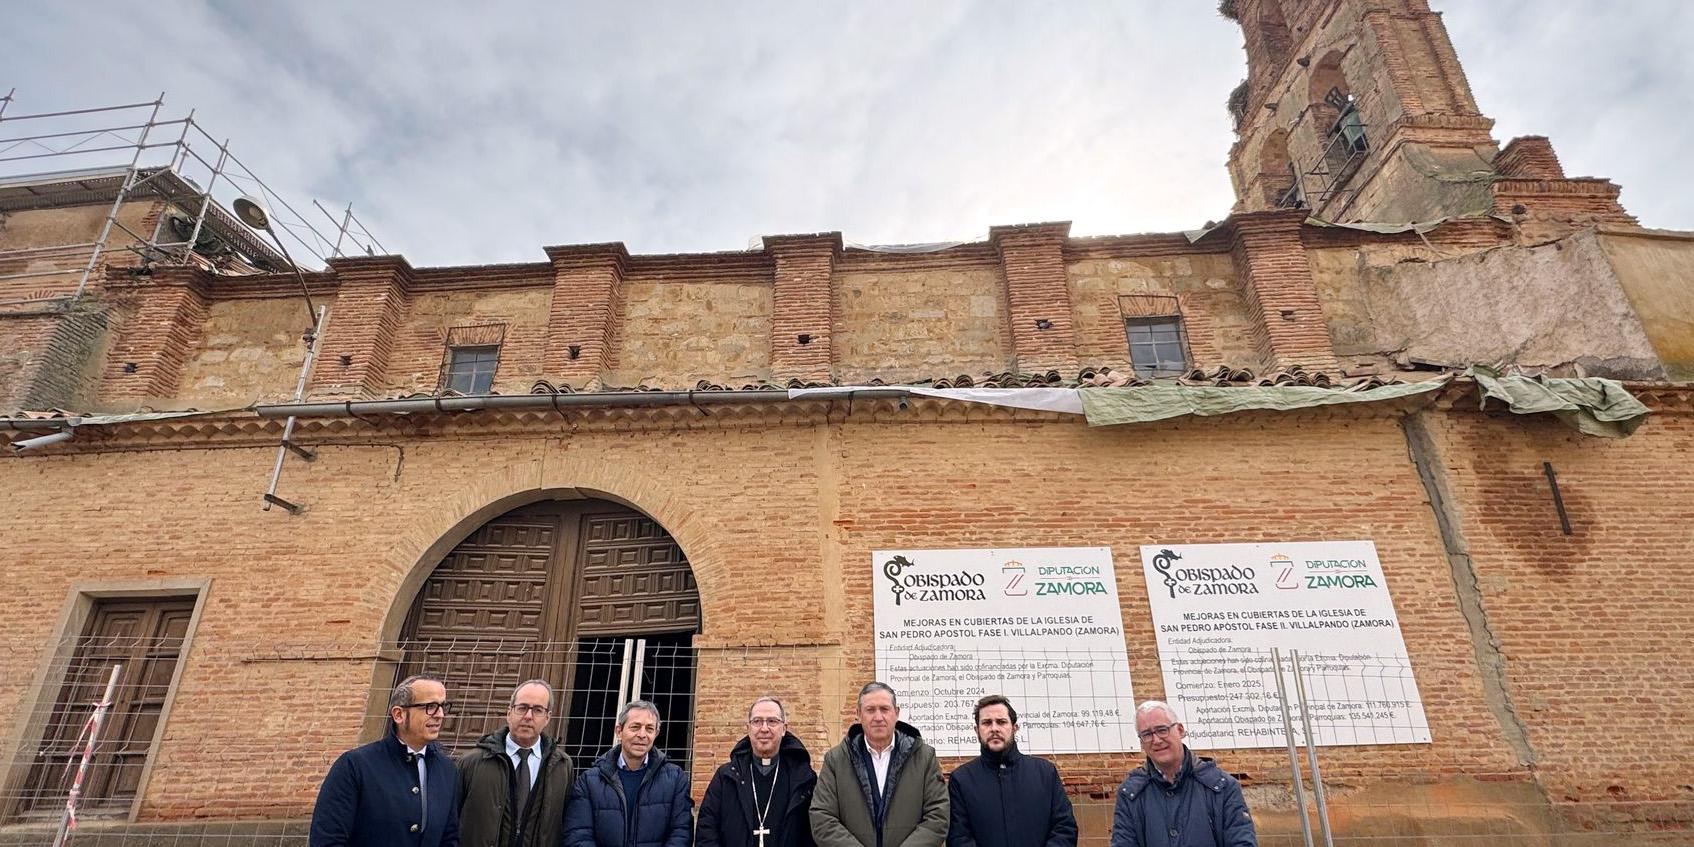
{"points": [[397, 790], [514, 785]]}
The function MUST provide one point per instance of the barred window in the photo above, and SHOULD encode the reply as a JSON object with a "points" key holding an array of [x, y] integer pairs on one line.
{"points": [[470, 370], [1156, 346]]}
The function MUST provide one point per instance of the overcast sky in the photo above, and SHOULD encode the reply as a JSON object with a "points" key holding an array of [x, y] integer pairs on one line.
{"points": [[472, 133]]}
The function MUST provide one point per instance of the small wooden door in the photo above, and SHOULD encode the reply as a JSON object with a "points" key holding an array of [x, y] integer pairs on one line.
{"points": [[145, 638]]}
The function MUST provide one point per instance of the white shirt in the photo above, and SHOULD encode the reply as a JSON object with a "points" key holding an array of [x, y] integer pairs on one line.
{"points": [[534, 763], [624, 763], [879, 762]]}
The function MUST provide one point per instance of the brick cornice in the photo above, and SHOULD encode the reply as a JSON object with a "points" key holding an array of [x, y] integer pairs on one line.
{"points": [[609, 255], [348, 268], [809, 242]]}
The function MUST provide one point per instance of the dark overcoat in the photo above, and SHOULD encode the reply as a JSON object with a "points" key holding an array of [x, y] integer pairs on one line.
{"points": [[371, 798]]}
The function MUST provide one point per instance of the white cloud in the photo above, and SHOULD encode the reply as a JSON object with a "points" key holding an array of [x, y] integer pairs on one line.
{"points": [[476, 134]]}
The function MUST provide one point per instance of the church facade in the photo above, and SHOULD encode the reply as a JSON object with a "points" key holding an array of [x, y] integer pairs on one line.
{"points": [[602, 469]]}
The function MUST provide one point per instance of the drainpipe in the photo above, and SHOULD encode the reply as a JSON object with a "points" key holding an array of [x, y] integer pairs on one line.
{"points": [[62, 435]]}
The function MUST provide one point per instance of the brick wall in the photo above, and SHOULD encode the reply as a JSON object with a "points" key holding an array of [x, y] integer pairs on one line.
{"points": [[779, 519]]}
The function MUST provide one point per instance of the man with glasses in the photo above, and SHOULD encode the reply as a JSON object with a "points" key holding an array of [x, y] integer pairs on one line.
{"points": [[514, 785], [398, 789], [1177, 797], [760, 797]]}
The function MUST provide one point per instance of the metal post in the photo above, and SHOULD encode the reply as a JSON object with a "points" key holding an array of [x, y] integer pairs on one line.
{"points": [[67, 821], [1293, 755], [118, 202], [623, 676], [287, 444], [1312, 752], [177, 158], [640, 663], [205, 202]]}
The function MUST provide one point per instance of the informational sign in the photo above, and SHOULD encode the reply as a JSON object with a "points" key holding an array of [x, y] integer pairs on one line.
{"points": [[1220, 608], [1040, 625]]}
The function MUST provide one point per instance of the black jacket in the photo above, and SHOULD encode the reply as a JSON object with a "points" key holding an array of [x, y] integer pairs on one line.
{"points": [[1204, 806], [370, 798], [727, 815], [1010, 800], [485, 795]]}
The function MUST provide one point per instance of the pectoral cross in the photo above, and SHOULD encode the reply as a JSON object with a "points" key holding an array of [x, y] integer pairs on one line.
{"points": [[762, 832]]}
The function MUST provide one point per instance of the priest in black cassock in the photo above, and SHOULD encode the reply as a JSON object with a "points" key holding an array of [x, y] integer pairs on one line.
{"points": [[761, 796]]}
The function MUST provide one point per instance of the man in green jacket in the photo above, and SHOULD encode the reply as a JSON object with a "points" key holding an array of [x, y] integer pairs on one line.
{"points": [[514, 785], [881, 786]]}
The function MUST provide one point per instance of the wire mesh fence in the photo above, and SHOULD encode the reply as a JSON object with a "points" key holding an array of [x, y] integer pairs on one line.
{"points": [[161, 770]]}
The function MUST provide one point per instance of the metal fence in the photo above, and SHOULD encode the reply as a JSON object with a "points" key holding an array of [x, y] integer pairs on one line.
{"points": [[1341, 762]]}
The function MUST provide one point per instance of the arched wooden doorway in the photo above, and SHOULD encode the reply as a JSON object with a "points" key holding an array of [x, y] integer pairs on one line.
{"points": [[590, 595]]}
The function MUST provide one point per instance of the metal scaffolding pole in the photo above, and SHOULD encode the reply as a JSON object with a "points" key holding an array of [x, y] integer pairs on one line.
{"points": [[118, 202], [1293, 754], [1312, 752]]}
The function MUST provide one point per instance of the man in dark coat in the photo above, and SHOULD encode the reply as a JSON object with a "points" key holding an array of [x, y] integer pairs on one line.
{"points": [[1004, 798], [632, 796], [1177, 798], [881, 786], [514, 785], [761, 796], [399, 789]]}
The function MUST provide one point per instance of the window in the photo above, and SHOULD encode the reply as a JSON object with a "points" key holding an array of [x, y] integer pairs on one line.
{"points": [[470, 370], [1156, 346], [144, 637]]}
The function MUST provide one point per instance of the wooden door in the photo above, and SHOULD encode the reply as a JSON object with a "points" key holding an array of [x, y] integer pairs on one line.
{"points": [[145, 638], [549, 591]]}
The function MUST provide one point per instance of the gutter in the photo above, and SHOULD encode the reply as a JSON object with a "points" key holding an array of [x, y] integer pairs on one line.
{"points": [[356, 408]]}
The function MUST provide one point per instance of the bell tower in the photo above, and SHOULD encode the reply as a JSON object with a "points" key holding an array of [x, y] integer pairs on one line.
{"points": [[1359, 111]]}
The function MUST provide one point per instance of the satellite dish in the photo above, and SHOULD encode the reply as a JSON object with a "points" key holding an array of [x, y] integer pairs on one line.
{"points": [[251, 211]]}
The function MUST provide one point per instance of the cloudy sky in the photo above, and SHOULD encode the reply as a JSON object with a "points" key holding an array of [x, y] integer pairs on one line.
{"points": [[471, 133]]}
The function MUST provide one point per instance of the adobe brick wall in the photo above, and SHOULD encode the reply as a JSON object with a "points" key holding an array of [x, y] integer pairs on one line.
{"points": [[779, 519], [420, 338], [676, 334], [1214, 312]]}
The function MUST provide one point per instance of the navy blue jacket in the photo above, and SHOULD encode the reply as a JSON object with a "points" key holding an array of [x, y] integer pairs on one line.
{"points": [[1009, 800], [663, 808], [371, 799], [1204, 807]]}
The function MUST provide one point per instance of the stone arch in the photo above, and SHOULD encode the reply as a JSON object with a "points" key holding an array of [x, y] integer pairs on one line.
{"points": [[437, 531], [440, 528]]}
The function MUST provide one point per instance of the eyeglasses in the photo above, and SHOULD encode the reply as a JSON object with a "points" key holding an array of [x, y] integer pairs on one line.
{"points": [[765, 721], [527, 709], [433, 708], [1161, 731]]}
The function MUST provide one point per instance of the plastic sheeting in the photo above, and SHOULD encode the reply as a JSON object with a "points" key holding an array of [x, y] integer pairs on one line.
{"points": [[1109, 406]]}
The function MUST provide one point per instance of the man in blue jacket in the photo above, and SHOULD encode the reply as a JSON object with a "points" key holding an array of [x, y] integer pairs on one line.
{"points": [[1177, 797], [1004, 798], [399, 789], [632, 796]]}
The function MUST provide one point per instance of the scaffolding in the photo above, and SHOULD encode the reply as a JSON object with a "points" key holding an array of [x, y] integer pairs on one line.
{"points": [[120, 156]]}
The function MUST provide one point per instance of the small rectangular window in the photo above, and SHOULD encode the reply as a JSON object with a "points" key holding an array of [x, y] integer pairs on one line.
{"points": [[1156, 346], [470, 370]]}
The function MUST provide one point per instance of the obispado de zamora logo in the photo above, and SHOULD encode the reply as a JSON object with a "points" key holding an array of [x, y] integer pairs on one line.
{"points": [[930, 587], [1202, 581]]}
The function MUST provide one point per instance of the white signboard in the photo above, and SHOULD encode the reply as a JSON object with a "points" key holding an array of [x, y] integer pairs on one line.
{"points": [[1220, 608], [1040, 625]]}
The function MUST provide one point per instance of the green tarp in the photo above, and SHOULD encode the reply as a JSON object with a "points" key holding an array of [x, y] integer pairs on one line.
{"points": [[1594, 406]]}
